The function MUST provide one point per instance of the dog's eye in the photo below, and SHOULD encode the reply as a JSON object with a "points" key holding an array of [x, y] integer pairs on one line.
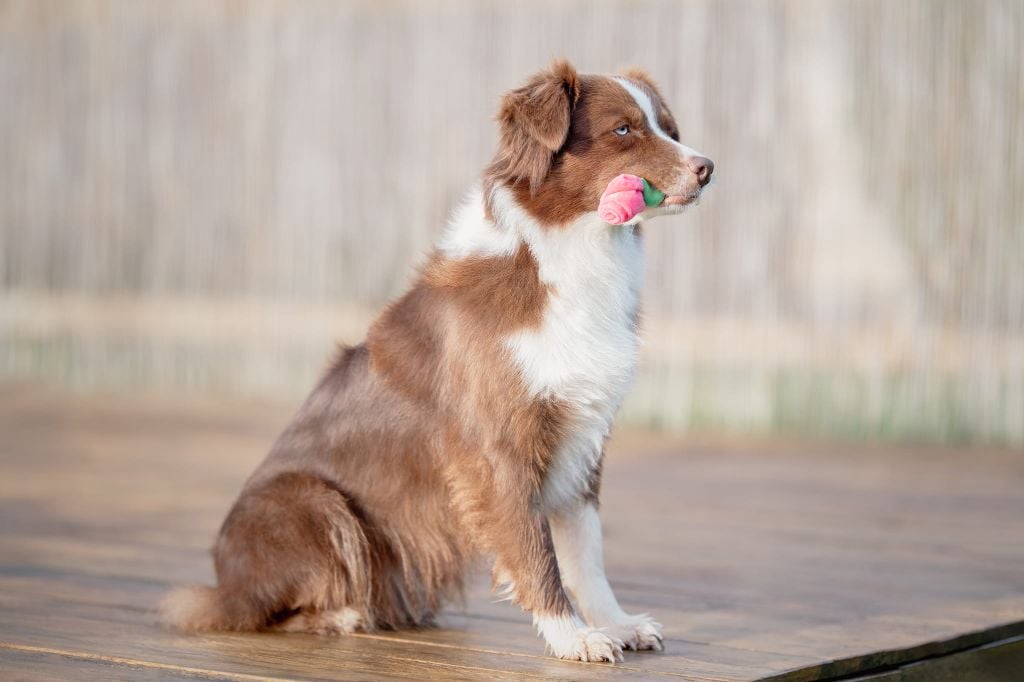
{"points": [[622, 130]]}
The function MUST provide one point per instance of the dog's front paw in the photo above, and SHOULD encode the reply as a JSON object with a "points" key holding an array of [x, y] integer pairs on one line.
{"points": [[569, 638], [592, 645], [638, 632]]}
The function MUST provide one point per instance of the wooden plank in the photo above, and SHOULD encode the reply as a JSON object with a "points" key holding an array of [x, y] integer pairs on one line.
{"points": [[511, 634], [897, 657], [692, 610], [672, 610], [510, 631], [794, 562], [1001, 661], [132, 635], [41, 664]]}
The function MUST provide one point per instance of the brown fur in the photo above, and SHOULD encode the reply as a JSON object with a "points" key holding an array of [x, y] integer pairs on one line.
{"points": [[534, 122], [418, 449], [590, 156], [421, 447]]}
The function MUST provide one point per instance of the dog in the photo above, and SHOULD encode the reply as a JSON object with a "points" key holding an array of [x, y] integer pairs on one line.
{"points": [[472, 420]]}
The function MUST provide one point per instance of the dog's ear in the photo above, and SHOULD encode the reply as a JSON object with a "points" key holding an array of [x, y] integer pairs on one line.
{"points": [[535, 122]]}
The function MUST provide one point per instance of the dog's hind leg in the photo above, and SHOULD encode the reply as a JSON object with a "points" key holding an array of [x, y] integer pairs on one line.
{"points": [[340, 622], [293, 554]]}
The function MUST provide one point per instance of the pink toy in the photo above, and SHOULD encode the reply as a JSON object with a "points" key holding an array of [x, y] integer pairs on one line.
{"points": [[622, 200]]}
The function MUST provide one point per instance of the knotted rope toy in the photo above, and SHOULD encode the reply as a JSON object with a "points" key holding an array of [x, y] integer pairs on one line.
{"points": [[625, 197]]}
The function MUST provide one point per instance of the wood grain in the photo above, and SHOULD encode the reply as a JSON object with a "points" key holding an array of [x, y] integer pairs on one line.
{"points": [[776, 561]]}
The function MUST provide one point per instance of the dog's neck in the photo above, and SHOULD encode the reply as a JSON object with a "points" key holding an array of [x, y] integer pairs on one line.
{"points": [[583, 352], [496, 225]]}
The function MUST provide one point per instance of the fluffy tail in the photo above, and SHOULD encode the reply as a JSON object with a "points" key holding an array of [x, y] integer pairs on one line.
{"points": [[195, 609]]}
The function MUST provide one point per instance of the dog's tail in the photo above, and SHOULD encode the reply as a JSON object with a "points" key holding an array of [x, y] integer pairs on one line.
{"points": [[196, 608]]}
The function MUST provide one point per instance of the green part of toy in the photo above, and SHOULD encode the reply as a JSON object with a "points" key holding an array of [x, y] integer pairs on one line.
{"points": [[652, 195]]}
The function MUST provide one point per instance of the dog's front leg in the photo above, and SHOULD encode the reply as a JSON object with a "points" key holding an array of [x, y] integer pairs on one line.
{"points": [[525, 563], [576, 533]]}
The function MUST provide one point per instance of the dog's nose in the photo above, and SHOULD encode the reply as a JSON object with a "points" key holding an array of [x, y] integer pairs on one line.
{"points": [[702, 168]]}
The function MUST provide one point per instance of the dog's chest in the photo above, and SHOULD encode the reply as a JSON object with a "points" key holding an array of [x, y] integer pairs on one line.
{"points": [[584, 352]]}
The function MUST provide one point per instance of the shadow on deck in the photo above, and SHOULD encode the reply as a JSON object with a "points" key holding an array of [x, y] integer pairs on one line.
{"points": [[762, 561]]}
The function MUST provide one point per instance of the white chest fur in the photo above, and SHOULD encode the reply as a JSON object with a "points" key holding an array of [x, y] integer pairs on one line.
{"points": [[584, 353]]}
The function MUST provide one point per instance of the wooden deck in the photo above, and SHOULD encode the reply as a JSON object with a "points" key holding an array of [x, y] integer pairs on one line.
{"points": [[792, 563]]}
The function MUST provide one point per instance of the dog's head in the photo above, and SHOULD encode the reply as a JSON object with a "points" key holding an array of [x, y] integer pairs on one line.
{"points": [[565, 136]]}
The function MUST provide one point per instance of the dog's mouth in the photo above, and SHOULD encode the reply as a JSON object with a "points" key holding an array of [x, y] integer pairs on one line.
{"points": [[681, 199], [682, 194]]}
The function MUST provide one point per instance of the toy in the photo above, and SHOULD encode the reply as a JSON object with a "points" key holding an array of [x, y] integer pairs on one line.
{"points": [[625, 197]]}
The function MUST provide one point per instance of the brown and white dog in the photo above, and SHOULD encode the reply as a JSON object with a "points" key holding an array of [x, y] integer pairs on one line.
{"points": [[473, 418]]}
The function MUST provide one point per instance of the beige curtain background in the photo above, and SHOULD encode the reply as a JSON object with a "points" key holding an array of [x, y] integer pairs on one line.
{"points": [[203, 196]]}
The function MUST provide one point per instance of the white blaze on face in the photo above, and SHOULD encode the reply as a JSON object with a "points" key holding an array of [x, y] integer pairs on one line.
{"points": [[644, 102]]}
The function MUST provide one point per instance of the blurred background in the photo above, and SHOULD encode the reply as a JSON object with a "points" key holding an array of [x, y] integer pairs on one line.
{"points": [[201, 197]]}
